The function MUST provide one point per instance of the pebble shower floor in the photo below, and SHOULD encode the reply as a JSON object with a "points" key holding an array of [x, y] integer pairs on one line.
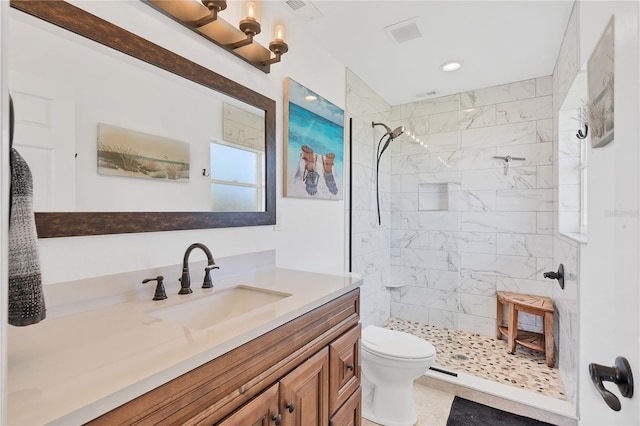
{"points": [[486, 357]]}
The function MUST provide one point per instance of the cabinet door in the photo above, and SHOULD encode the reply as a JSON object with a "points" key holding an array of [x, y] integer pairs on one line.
{"points": [[260, 411], [304, 393], [349, 414], [344, 370]]}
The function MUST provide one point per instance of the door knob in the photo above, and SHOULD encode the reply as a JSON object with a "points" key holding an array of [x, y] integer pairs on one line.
{"points": [[557, 275], [620, 374]]}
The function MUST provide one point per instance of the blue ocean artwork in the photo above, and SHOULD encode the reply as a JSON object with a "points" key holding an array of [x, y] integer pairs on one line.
{"points": [[315, 146]]}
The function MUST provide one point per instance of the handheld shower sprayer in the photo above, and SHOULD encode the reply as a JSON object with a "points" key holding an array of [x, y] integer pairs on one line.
{"points": [[391, 135]]}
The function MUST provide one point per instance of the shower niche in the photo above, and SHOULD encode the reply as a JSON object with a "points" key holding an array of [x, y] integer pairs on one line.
{"points": [[441, 196]]}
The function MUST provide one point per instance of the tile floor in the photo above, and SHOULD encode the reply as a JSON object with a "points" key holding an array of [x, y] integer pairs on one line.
{"points": [[487, 358], [432, 407], [484, 357]]}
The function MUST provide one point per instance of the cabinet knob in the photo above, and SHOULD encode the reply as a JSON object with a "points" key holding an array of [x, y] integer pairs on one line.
{"points": [[350, 367], [291, 406], [277, 419]]}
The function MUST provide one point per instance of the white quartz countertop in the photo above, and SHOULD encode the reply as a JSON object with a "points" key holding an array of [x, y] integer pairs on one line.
{"points": [[73, 368]]}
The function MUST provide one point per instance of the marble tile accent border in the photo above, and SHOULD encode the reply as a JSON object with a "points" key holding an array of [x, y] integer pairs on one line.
{"points": [[487, 358]]}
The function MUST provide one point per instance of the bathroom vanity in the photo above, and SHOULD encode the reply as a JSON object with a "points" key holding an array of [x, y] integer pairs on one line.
{"points": [[122, 359], [303, 370]]}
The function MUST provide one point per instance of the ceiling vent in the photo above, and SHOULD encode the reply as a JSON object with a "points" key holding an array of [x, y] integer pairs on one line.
{"points": [[404, 31], [427, 93], [295, 4], [305, 10]]}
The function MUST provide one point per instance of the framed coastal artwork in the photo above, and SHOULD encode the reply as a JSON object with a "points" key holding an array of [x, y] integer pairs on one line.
{"points": [[600, 76], [128, 153], [313, 145]]}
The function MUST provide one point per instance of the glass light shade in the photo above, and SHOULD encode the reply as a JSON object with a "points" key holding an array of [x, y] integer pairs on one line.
{"points": [[252, 10], [280, 32]]}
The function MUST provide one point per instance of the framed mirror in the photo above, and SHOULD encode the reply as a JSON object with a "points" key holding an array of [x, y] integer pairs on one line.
{"points": [[121, 99]]}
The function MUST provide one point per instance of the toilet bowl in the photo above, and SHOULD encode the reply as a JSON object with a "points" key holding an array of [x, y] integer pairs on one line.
{"points": [[391, 360]]}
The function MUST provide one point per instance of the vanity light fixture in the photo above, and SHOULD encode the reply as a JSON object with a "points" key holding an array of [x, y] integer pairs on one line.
{"points": [[278, 46], [249, 26], [451, 66], [203, 17], [214, 7]]}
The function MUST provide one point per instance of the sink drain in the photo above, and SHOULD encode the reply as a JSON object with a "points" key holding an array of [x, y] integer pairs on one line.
{"points": [[460, 357]]}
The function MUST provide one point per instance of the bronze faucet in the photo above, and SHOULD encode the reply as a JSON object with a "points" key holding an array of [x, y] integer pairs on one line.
{"points": [[185, 281]]}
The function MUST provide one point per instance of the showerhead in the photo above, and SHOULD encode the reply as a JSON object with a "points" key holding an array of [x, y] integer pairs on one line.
{"points": [[390, 135], [393, 133], [397, 132]]}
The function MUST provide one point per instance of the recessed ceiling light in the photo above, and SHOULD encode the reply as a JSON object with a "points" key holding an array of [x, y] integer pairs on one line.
{"points": [[451, 66], [311, 98]]}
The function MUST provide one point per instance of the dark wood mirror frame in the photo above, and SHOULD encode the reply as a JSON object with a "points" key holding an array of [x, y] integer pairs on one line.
{"points": [[67, 224]]}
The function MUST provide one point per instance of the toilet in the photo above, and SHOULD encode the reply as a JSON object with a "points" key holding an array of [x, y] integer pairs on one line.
{"points": [[391, 360]]}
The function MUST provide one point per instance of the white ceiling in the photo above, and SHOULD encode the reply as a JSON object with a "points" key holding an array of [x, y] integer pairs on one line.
{"points": [[497, 41]]}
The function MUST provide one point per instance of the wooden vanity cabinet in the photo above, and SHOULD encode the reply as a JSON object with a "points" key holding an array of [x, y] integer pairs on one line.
{"points": [[350, 413], [344, 356], [260, 411], [303, 400], [304, 393], [312, 361]]}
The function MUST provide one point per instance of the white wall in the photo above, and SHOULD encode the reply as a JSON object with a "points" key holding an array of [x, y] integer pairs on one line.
{"points": [[103, 86], [312, 233], [609, 267]]}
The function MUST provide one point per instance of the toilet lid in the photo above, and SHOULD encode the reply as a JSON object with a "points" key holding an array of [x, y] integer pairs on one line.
{"points": [[396, 344]]}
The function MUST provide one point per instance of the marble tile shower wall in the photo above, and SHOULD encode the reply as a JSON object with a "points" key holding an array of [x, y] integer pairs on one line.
{"points": [[462, 225], [566, 251], [370, 242]]}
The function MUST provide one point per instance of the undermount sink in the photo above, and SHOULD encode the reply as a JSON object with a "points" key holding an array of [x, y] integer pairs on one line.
{"points": [[219, 307]]}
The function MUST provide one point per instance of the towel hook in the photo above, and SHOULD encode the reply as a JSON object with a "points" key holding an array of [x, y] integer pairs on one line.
{"points": [[581, 135]]}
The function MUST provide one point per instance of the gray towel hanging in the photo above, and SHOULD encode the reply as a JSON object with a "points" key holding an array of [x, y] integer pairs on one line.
{"points": [[26, 298]]}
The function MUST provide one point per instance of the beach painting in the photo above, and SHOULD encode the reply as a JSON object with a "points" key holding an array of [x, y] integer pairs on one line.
{"points": [[124, 152], [314, 145]]}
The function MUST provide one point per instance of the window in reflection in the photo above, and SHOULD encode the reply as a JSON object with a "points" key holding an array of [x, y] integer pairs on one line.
{"points": [[237, 178]]}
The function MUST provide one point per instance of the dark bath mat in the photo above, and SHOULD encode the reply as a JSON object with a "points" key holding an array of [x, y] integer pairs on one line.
{"points": [[468, 413]]}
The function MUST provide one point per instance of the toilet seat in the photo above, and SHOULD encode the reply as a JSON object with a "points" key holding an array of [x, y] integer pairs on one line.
{"points": [[393, 344]]}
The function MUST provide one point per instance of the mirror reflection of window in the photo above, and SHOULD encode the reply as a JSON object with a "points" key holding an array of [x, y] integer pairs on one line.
{"points": [[237, 178]]}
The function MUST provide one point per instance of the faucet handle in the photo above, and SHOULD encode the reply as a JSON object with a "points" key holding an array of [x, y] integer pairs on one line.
{"points": [[160, 293], [207, 283]]}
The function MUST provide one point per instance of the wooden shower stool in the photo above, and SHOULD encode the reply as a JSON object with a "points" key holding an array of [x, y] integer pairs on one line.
{"points": [[535, 305]]}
